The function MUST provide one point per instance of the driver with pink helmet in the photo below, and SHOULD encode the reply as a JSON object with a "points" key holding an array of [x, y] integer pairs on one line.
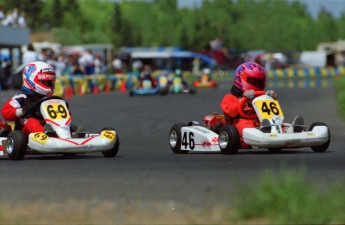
{"points": [[249, 77], [38, 82]]}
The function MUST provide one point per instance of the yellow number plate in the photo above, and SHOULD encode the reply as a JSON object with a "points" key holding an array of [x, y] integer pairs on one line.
{"points": [[268, 108], [109, 134], [40, 137], [163, 80], [57, 111], [147, 84]]}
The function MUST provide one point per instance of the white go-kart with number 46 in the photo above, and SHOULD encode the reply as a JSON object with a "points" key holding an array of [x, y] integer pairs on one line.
{"points": [[60, 137], [218, 135]]}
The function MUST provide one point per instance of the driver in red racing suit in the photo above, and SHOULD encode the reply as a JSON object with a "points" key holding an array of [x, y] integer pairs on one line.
{"points": [[38, 82], [249, 77]]}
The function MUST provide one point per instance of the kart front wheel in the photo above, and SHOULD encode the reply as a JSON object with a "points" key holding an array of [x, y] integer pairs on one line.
{"points": [[16, 145], [192, 90], [175, 138], [229, 140], [323, 147], [112, 152]]}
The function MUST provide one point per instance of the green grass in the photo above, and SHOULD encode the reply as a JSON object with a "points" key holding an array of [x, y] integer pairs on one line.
{"points": [[340, 94], [287, 198]]}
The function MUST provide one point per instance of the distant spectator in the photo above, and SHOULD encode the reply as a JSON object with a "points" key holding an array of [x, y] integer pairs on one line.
{"points": [[12, 18], [21, 20], [86, 62], [44, 55], [99, 67], [57, 63], [68, 65], [29, 55], [2, 15], [15, 15], [77, 70], [137, 66], [8, 21], [117, 65], [216, 44], [196, 65], [7, 71]]}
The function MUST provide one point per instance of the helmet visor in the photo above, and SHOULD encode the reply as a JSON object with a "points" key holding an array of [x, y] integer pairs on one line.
{"points": [[48, 83], [46, 79], [259, 83]]}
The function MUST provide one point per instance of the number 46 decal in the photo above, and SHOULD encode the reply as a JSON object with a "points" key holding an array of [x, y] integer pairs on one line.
{"points": [[188, 140], [267, 109], [272, 107]]}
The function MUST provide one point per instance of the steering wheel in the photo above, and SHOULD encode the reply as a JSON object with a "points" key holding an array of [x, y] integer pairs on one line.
{"points": [[35, 108], [243, 101]]}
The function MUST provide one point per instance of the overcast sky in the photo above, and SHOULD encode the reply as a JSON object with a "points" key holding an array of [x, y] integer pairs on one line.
{"points": [[333, 6]]}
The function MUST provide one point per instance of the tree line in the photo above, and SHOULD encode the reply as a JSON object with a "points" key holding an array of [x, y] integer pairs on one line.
{"points": [[243, 24]]}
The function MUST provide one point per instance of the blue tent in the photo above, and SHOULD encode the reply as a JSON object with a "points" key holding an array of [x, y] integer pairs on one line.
{"points": [[166, 53]]}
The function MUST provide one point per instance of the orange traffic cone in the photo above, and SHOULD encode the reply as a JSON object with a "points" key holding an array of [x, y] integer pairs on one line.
{"points": [[123, 86], [68, 92], [95, 90], [107, 87]]}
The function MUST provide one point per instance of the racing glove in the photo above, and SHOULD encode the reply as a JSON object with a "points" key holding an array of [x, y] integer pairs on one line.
{"points": [[271, 93], [249, 94], [29, 109]]}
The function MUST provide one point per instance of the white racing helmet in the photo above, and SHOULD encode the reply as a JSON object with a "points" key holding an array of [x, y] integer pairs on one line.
{"points": [[39, 77], [206, 71]]}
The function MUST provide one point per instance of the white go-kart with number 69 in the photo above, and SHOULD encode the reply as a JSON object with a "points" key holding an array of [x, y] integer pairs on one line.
{"points": [[272, 133], [60, 137]]}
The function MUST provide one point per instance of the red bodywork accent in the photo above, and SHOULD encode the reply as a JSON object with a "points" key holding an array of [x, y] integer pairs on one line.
{"points": [[211, 120], [51, 121], [215, 140], [206, 144], [75, 143]]}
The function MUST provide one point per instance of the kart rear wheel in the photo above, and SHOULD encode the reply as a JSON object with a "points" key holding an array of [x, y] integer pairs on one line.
{"points": [[323, 147], [229, 140], [16, 145], [275, 150], [175, 139], [112, 152]]}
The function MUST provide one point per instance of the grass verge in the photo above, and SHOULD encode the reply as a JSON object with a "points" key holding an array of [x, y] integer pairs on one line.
{"points": [[288, 198], [279, 198]]}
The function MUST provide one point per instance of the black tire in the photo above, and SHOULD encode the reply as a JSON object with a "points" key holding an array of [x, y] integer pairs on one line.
{"points": [[112, 152], [323, 147], [275, 150], [229, 140], [175, 139], [73, 128], [16, 145], [192, 90], [69, 154], [164, 91]]}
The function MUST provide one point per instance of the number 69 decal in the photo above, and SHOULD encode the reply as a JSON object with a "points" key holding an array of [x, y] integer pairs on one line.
{"points": [[188, 140], [57, 111], [40, 137]]}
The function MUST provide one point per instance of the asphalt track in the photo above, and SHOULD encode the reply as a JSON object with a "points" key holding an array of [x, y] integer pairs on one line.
{"points": [[146, 170]]}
